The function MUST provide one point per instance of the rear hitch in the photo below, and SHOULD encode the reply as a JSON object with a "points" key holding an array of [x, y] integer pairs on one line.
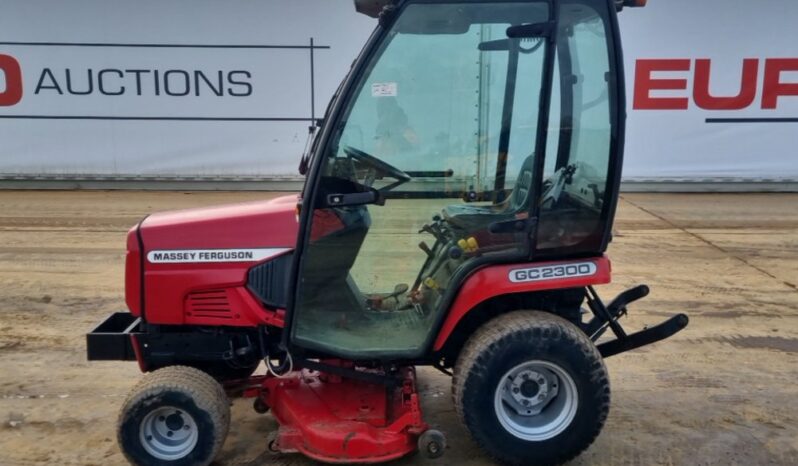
{"points": [[606, 317]]}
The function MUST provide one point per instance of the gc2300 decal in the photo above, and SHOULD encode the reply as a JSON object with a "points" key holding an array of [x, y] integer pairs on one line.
{"points": [[553, 272]]}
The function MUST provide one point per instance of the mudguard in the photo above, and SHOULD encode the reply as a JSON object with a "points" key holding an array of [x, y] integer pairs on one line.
{"points": [[500, 280]]}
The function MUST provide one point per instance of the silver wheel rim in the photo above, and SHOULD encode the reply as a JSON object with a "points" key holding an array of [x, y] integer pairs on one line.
{"points": [[536, 400], [168, 433]]}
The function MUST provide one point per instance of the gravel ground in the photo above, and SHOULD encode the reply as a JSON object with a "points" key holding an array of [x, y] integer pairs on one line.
{"points": [[721, 392]]}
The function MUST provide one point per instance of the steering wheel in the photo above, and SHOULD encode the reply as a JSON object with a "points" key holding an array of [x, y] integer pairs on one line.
{"points": [[377, 164], [558, 181]]}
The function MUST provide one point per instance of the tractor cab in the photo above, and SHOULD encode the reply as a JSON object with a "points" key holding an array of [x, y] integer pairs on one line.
{"points": [[467, 134]]}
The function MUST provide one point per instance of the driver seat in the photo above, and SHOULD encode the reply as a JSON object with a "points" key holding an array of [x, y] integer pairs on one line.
{"points": [[471, 218]]}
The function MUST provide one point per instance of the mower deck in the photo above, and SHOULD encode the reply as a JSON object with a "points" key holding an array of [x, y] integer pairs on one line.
{"points": [[341, 420]]}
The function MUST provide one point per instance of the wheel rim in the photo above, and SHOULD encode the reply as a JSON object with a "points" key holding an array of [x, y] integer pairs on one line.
{"points": [[168, 433], [536, 400]]}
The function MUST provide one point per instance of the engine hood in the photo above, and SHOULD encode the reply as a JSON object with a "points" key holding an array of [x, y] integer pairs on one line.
{"points": [[259, 224]]}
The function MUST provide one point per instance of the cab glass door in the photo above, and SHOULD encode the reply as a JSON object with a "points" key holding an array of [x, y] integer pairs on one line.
{"points": [[445, 112]]}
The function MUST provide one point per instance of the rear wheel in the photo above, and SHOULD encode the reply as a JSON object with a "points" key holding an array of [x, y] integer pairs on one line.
{"points": [[176, 415], [531, 388]]}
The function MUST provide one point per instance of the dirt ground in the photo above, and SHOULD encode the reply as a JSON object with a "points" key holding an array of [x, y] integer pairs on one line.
{"points": [[721, 392]]}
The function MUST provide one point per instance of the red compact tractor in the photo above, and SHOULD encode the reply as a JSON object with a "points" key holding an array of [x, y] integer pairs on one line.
{"points": [[459, 198]]}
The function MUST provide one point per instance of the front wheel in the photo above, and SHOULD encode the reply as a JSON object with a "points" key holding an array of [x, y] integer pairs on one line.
{"points": [[175, 416], [531, 388]]}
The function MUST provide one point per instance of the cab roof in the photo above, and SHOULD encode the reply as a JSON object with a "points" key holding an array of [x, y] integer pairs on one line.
{"points": [[373, 8]]}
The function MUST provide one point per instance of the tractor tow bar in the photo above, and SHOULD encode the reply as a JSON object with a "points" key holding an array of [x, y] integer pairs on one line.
{"points": [[605, 317]]}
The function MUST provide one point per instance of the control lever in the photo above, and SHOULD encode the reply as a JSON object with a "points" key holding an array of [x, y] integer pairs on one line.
{"points": [[433, 230], [425, 248], [375, 302]]}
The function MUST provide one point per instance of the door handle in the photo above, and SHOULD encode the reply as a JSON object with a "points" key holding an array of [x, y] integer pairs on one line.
{"points": [[354, 199]]}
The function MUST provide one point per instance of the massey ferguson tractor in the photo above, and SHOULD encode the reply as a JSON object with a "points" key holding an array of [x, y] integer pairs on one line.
{"points": [[459, 197]]}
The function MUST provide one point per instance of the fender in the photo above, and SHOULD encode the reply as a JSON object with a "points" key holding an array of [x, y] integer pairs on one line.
{"points": [[500, 280]]}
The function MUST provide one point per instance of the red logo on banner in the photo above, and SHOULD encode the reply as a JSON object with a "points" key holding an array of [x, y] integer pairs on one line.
{"points": [[773, 85], [12, 72]]}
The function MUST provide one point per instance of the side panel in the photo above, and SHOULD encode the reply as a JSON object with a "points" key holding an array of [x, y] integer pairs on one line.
{"points": [[196, 261], [500, 280], [212, 295]]}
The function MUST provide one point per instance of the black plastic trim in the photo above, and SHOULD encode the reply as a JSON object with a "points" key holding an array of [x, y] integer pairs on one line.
{"points": [[268, 281]]}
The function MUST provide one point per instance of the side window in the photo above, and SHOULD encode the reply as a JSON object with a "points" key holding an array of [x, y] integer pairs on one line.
{"points": [[578, 151], [591, 137]]}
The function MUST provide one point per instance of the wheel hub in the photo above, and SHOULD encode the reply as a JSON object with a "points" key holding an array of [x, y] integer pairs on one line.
{"points": [[168, 434], [531, 390], [536, 400], [174, 421]]}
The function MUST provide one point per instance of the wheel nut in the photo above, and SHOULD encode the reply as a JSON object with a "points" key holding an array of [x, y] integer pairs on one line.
{"points": [[525, 402], [541, 381], [516, 390], [541, 396]]}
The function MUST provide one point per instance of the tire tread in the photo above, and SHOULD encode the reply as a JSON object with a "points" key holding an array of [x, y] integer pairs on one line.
{"points": [[543, 328], [206, 392]]}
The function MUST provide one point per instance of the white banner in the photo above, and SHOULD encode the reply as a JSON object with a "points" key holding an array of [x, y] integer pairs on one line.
{"points": [[208, 88], [712, 89], [113, 87]]}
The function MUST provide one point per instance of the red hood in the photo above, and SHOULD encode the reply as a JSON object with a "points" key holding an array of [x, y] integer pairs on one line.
{"points": [[247, 225]]}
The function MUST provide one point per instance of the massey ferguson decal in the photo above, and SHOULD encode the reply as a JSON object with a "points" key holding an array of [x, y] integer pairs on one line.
{"points": [[553, 272], [212, 255]]}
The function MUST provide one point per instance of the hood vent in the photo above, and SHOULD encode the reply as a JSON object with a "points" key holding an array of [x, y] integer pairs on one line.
{"points": [[212, 304]]}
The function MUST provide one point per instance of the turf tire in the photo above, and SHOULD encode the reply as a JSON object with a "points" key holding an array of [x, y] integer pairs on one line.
{"points": [[187, 389], [503, 344]]}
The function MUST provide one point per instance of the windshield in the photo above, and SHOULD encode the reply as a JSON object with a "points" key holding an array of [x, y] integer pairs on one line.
{"points": [[448, 99]]}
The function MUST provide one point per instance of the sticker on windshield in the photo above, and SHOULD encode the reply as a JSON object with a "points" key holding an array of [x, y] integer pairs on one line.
{"points": [[384, 90]]}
